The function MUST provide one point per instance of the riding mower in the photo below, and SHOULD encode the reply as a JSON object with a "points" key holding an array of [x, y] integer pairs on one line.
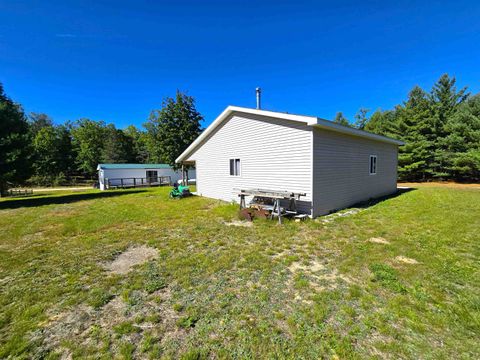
{"points": [[179, 191]]}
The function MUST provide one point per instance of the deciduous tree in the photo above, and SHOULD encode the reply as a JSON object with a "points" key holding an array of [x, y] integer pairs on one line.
{"points": [[14, 143], [173, 128]]}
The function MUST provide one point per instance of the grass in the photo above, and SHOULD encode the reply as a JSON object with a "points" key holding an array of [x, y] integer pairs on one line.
{"points": [[301, 290]]}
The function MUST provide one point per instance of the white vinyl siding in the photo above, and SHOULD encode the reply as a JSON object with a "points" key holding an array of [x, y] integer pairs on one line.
{"points": [[341, 174], [139, 173], [273, 153]]}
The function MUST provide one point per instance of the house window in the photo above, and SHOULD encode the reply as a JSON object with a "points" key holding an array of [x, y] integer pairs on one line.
{"points": [[235, 167], [152, 176], [373, 165]]}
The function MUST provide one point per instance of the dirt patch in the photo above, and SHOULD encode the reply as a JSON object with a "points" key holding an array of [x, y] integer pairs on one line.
{"points": [[311, 267], [82, 322], [379, 240], [280, 254], [319, 275], [239, 223], [339, 214], [406, 260], [128, 259]]}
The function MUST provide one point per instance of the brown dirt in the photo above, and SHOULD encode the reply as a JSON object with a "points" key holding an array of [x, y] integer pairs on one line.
{"points": [[339, 214], [321, 277], [445, 184], [128, 259], [239, 223], [379, 240], [406, 260]]}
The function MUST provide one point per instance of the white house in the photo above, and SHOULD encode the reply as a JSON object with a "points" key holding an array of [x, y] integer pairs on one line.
{"points": [[127, 175], [335, 166]]}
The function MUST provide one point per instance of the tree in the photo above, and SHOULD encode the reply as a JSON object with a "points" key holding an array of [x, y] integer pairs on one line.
{"points": [[118, 147], [340, 119], [440, 129], [38, 121], [462, 143], [173, 128], [361, 118], [53, 157], [88, 140], [413, 118], [445, 100], [139, 140], [383, 123], [14, 143]]}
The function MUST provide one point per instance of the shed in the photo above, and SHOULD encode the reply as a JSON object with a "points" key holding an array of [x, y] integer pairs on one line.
{"points": [[335, 166], [129, 175]]}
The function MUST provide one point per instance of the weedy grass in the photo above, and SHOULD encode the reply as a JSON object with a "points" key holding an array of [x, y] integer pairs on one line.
{"points": [[301, 290]]}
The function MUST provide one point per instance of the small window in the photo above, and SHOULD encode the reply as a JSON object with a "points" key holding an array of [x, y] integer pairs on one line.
{"points": [[152, 176], [235, 167], [373, 164]]}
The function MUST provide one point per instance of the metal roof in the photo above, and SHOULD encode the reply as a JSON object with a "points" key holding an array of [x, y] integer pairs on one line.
{"points": [[133, 166], [307, 120]]}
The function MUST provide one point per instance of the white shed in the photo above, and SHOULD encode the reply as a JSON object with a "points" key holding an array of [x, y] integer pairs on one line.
{"points": [[335, 166], [129, 175]]}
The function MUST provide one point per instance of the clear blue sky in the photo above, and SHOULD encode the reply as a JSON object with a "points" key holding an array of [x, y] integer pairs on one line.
{"points": [[116, 60]]}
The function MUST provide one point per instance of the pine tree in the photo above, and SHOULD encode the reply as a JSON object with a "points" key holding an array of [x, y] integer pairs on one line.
{"points": [[444, 100], [462, 143], [413, 123]]}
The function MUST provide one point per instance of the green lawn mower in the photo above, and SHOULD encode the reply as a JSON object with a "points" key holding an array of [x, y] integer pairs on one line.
{"points": [[179, 191]]}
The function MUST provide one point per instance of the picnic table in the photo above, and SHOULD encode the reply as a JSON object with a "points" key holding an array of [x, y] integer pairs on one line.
{"points": [[275, 197]]}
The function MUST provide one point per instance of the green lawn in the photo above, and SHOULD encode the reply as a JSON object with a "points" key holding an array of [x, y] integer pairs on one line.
{"points": [[400, 279]]}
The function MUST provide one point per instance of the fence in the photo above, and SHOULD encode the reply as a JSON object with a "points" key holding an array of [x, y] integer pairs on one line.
{"points": [[19, 192]]}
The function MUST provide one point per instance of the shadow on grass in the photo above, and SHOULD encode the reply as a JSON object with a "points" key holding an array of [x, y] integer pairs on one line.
{"points": [[62, 199], [371, 202]]}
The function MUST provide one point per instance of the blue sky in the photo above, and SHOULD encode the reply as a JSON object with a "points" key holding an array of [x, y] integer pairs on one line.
{"points": [[116, 60]]}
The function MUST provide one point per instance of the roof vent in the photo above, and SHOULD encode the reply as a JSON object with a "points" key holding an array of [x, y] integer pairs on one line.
{"points": [[259, 93]]}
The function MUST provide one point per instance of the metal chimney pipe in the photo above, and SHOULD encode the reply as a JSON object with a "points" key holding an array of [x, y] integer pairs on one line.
{"points": [[259, 92]]}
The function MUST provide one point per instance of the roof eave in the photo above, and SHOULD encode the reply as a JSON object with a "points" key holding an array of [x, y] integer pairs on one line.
{"points": [[308, 120], [329, 125]]}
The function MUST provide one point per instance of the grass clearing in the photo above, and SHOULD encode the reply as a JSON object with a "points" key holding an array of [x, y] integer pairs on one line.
{"points": [[395, 280]]}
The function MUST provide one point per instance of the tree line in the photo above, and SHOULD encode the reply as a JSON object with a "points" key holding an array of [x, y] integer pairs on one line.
{"points": [[36, 151], [440, 128]]}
